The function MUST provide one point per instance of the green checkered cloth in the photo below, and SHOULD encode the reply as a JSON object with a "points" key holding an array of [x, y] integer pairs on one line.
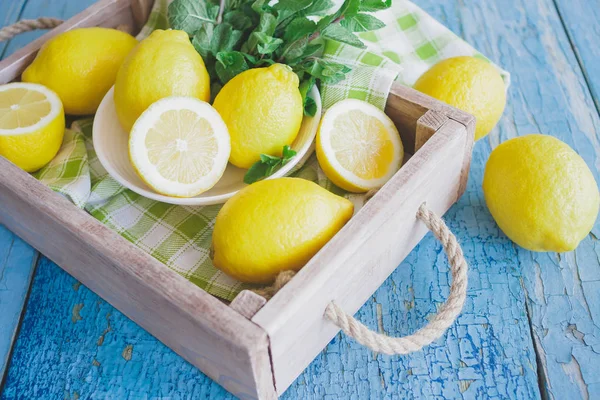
{"points": [[180, 236]]}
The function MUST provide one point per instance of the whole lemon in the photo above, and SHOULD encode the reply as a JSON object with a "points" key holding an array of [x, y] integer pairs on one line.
{"points": [[262, 109], [162, 65], [80, 66], [275, 225], [541, 193], [470, 84]]}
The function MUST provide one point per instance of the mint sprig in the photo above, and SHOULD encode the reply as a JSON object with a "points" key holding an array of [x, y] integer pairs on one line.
{"points": [[235, 35], [268, 165]]}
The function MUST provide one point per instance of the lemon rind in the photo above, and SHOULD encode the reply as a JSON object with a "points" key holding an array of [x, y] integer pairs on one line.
{"points": [[55, 108]]}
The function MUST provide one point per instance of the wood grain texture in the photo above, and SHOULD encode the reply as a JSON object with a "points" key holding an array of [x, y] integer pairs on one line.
{"points": [[345, 271], [487, 353], [17, 264], [581, 20], [549, 95]]}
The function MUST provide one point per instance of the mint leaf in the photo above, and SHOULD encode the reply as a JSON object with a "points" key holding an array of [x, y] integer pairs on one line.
{"points": [[362, 23], [267, 44], [268, 165], [287, 8], [342, 34], [191, 15], [310, 107], [298, 28], [202, 41], [374, 5], [224, 38], [348, 9], [266, 25], [319, 7], [326, 71], [230, 64], [239, 20]]}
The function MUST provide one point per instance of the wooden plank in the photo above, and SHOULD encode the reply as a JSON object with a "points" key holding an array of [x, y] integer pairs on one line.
{"points": [[203, 330], [17, 264], [549, 95], [580, 19]]}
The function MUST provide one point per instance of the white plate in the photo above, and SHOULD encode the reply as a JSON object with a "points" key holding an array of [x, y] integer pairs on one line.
{"points": [[111, 145]]}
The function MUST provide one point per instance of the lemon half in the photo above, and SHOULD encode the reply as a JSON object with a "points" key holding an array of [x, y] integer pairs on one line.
{"points": [[179, 146], [358, 146], [32, 124]]}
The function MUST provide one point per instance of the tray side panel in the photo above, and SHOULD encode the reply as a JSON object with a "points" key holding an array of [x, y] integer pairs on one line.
{"points": [[223, 344], [356, 262]]}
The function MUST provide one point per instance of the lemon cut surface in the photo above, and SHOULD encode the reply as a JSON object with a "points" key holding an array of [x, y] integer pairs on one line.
{"points": [[179, 146], [32, 124], [358, 146]]}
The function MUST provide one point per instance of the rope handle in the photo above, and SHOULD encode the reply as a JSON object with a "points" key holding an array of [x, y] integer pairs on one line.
{"points": [[440, 322], [27, 25]]}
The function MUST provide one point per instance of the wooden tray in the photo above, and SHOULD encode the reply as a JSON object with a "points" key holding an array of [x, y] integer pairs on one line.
{"points": [[252, 348]]}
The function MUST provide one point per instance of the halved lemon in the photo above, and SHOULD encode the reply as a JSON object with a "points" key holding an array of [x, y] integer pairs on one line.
{"points": [[358, 146], [32, 124], [179, 146]]}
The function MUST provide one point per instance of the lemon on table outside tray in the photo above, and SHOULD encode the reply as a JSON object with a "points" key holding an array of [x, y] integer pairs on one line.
{"points": [[80, 66], [358, 146], [541, 193], [179, 146], [275, 225], [470, 84], [162, 65], [32, 124], [263, 110]]}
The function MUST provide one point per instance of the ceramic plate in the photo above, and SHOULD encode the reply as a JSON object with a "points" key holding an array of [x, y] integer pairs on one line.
{"points": [[110, 143]]}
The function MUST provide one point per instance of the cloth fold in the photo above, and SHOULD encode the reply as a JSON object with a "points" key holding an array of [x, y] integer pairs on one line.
{"points": [[180, 236]]}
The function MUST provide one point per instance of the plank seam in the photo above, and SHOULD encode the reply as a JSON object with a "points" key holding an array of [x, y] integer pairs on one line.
{"points": [[584, 73], [17, 331], [7, 43]]}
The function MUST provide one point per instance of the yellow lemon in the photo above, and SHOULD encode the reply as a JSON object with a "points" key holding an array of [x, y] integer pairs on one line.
{"points": [[470, 84], [541, 193], [162, 65], [179, 146], [80, 66], [275, 225], [358, 146], [262, 108], [32, 125]]}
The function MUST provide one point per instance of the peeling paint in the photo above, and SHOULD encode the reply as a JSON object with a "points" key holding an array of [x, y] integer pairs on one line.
{"points": [[75, 316], [127, 352]]}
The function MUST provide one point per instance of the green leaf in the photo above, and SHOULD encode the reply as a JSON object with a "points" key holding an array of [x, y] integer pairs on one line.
{"points": [[342, 34], [374, 5], [294, 50], [267, 44], [224, 38], [239, 20], [348, 9], [268, 165], [202, 41], [230, 64], [191, 15], [325, 22], [319, 7], [287, 8], [299, 27], [310, 107], [288, 154], [327, 71], [362, 23], [267, 25], [261, 6], [256, 172]]}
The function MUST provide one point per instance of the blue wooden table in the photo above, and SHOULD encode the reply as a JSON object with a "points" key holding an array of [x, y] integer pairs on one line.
{"points": [[531, 324]]}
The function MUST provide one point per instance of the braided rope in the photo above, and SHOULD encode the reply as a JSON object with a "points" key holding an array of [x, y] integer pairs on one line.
{"points": [[26, 25], [441, 321]]}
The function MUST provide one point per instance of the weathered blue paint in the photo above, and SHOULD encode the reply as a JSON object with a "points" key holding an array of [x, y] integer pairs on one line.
{"points": [[74, 345], [17, 263], [10, 12]]}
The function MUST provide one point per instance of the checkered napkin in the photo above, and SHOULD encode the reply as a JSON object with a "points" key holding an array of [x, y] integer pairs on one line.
{"points": [[180, 236]]}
